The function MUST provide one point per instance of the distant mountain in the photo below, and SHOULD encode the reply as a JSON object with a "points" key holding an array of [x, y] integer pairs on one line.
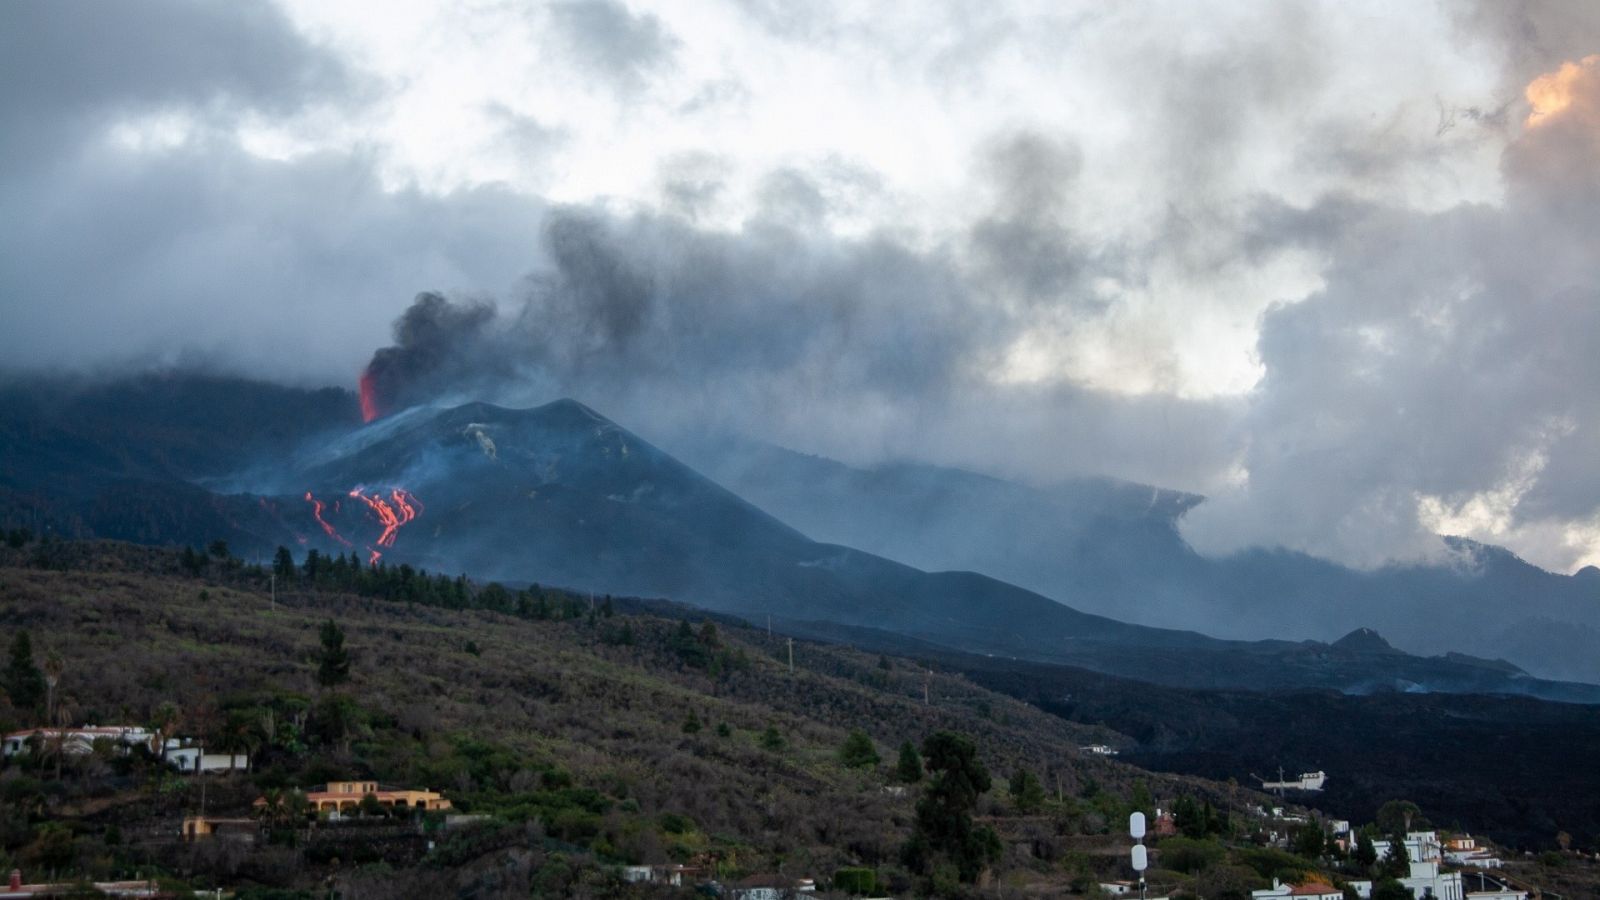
{"points": [[561, 495], [1114, 548], [1363, 640]]}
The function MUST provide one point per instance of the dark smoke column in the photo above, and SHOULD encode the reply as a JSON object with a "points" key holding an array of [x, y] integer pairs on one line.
{"points": [[435, 343]]}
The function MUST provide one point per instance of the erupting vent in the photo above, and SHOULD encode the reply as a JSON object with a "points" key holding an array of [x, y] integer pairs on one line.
{"points": [[369, 397]]}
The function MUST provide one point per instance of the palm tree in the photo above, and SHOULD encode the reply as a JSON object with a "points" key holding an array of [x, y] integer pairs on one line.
{"points": [[54, 665], [284, 807]]}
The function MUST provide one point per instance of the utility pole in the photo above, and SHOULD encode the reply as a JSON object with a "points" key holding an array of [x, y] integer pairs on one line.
{"points": [[272, 585], [791, 656], [927, 683]]}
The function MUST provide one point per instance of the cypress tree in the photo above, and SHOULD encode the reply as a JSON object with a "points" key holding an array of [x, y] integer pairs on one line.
{"points": [[23, 680], [333, 663]]}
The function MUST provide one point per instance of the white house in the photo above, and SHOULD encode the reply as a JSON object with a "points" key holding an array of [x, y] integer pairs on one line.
{"points": [[1425, 853], [1118, 888], [78, 741], [772, 887], [1308, 891], [190, 756]]}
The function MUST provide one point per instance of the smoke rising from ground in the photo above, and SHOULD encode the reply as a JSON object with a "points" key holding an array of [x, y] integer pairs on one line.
{"points": [[1327, 277]]}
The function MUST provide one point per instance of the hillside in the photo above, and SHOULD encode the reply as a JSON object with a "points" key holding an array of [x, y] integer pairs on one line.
{"points": [[573, 721]]}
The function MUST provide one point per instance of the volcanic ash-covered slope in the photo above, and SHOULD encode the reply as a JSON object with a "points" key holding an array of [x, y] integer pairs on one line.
{"points": [[559, 494]]}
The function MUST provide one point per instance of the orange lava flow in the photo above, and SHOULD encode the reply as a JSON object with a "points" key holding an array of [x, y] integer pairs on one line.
{"points": [[393, 513], [317, 507], [369, 397]]}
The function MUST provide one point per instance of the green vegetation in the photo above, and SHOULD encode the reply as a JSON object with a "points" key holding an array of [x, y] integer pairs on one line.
{"points": [[857, 752], [943, 832], [909, 767], [24, 683], [575, 751]]}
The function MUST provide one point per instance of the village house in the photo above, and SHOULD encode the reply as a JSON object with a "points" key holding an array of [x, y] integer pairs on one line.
{"points": [[1426, 854], [242, 830], [1463, 850], [189, 756], [17, 889], [771, 887], [1118, 888], [675, 875], [346, 796], [1308, 891], [78, 741]]}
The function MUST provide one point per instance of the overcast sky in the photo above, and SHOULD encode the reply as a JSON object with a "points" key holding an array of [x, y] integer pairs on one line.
{"points": [[1333, 265]]}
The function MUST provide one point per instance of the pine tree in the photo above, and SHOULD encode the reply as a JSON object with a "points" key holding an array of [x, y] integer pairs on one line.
{"points": [[943, 827], [23, 680], [1026, 791], [333, 663], [1366, 855], [909, 768], [858, 751]]}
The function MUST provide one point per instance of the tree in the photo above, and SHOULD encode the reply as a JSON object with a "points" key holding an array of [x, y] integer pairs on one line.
{"points": [[858, 751], [1365, 854], [1026, 791], [1390, 889], [333, 663], [1308, 840], [283, 565], [23, 680], [909, 768], [1396, 861], [772, 739], [943, 828], [1400, 816], [54, 665], [371, 807]]}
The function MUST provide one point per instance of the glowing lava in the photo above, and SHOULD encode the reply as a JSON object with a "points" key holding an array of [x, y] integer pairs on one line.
{"points": [[317, 506], [1553, 92], [369, 396], [393, 513]]}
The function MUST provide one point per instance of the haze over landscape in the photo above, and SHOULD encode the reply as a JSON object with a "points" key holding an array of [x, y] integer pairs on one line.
{"points": [[1210, 384], [1337, 279]]}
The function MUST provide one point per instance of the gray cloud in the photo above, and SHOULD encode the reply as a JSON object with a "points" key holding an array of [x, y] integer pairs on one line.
{"points": [[613, 42], [65, 67], [1025, 245], [1450, 356], [201, 251]]}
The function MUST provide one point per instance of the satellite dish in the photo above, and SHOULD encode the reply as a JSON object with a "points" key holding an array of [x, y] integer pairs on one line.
{"points": [[1141, 858], [1136, 825]]}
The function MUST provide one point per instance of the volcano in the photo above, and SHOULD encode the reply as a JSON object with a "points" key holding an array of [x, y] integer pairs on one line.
{"points": [[561, 495]]}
